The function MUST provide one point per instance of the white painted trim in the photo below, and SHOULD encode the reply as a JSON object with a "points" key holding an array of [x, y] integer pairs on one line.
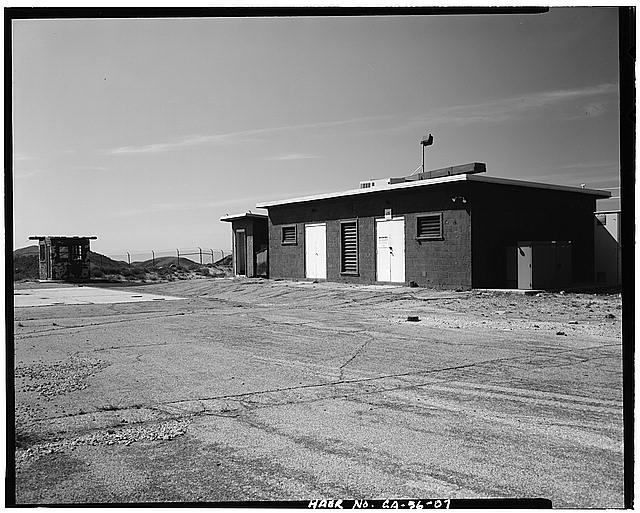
{"points": [[235, 217], [382, 219], [537, 185], [437, 181]]}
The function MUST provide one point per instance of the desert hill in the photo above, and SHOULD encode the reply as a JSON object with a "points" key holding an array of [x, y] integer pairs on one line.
{"points": [[25, 263], [25, 267]]}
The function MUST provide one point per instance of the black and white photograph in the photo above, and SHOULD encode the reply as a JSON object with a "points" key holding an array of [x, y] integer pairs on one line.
{"points": [[319, 258]]}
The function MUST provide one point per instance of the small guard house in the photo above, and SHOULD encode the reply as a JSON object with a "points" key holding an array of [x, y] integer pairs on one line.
{"points": [[64, 258], [250, 244]]}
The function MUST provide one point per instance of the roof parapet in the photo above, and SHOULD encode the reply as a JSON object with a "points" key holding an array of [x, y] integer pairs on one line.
{"points": [[464, 169]]}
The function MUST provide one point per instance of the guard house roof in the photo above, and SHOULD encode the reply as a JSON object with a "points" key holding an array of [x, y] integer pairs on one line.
{"points": [[437, 181], [235, 217], [65, 237]]}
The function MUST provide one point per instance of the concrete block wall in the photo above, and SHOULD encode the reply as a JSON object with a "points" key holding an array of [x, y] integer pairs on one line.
{"points": [[441, 264], [366, 252], [506, 214], [476, 233], [63, 269], [286, 261], [256, 233], [42, 263], [247, 226]]}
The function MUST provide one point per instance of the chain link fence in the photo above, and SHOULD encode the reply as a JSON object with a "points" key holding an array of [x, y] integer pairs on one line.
{"points": [[153, 258]]}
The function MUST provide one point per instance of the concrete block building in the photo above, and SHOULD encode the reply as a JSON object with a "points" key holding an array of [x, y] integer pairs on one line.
{"points": [[608, 251], [447, 228], [250, 244], [64, 258]]}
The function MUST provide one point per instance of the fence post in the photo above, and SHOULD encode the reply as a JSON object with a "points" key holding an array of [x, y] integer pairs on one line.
{"points": [[153, 258], [212, 261], [178, 251], [129, 260], [222, 251], [200, 249]]}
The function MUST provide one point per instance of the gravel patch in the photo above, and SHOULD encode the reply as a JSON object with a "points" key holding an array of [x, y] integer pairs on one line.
{"points": [[163, 430], [58, 378]]}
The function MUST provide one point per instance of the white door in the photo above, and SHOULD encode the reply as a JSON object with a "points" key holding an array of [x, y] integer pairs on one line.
{"points": [[315, 243], [390, 250]]}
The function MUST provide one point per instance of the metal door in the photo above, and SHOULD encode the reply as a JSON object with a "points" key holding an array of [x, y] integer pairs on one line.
{"points": [[390, 250], [241, 253], [315, 244], [525, 271]]}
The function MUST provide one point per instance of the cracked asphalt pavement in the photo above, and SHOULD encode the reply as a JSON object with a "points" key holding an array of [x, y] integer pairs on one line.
{"points": [[274, 390]]}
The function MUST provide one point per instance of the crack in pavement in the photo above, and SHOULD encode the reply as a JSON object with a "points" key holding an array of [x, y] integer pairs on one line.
{"points": [[42, 333], [302, 387], [355, 354], [241, 404]]}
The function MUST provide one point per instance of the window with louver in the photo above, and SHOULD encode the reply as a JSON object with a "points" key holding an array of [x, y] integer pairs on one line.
{"points": [[430, 226], [349, 247], [289, 235]]}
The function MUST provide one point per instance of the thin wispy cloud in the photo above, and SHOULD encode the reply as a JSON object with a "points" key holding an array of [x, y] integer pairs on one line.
{"points": [[23, 175], [231, 137], [594, 109], [591, 173], [91, 169], [294, 156], [182, 206], [21, 157], [517, 106], [591, 165], [74, 170]]}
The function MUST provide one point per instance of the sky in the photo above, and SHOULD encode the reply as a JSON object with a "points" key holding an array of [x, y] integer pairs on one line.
{"points": [[145, 132]]}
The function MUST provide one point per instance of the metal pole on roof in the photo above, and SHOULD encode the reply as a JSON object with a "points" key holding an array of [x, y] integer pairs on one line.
{"points": [[426, 141]]}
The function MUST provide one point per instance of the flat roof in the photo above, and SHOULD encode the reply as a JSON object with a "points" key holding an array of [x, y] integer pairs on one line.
{"points": [[70, 237], [234, 217], [437, 181]]}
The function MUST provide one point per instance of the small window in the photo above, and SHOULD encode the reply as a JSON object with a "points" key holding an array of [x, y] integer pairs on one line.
{"points": [[349, 247], [430, 226], [63, 253], [289, 235], [76, 252]]}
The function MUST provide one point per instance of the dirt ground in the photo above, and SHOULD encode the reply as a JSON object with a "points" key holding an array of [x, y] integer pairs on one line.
{"points": [[276, 390]]}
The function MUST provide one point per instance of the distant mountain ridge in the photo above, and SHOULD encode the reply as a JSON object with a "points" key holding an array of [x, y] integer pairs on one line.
{"points": [[26, 264], [27, 251]]}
